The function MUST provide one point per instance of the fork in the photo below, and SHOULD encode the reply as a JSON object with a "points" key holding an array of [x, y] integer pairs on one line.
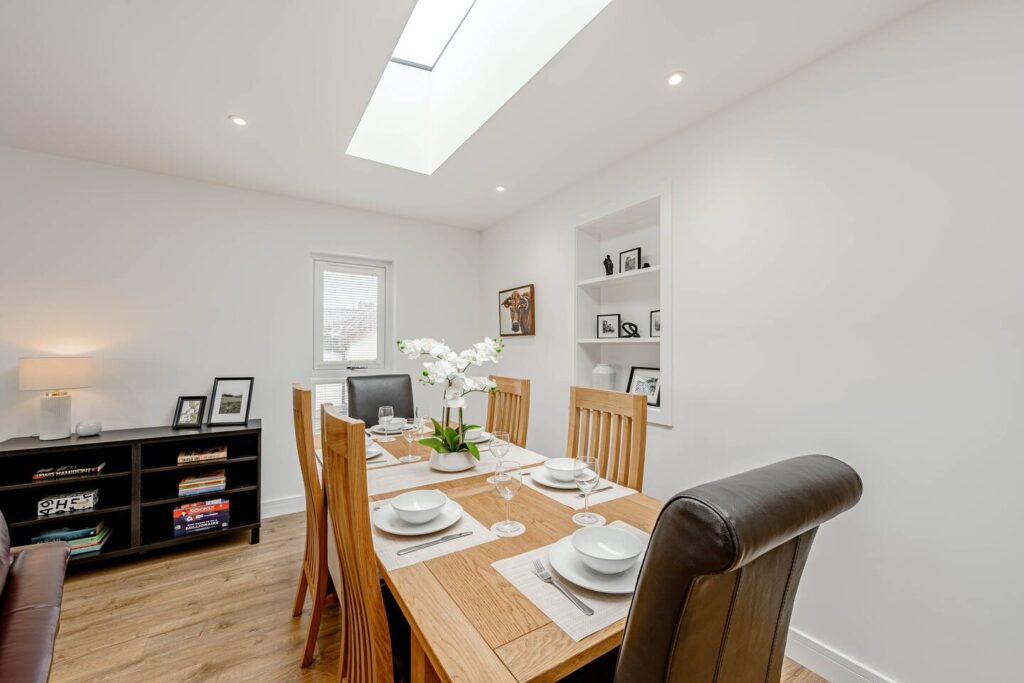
{"points": [[543, 575]]}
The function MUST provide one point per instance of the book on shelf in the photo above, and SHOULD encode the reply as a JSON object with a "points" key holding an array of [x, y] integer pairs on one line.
{"points": [[203, 455], [194, 518], [92, 544], [64, 503], [200, 484], [65, 471], [69, 534]]}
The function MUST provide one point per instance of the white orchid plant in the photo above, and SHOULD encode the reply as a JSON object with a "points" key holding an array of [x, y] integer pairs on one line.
{"points": [[449, 368]]}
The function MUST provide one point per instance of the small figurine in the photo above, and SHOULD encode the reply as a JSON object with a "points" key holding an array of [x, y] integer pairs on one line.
{"points": [[608, 265], [630, 330]]}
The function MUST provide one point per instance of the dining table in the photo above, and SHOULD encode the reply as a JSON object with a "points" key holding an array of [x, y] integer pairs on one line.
{"points": [[468, 621]]}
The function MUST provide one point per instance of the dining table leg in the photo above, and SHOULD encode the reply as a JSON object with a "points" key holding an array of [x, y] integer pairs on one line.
{"points": [[420, 668]]}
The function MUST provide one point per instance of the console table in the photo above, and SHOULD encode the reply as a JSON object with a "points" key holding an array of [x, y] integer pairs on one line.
{"points": [[138, 487]]}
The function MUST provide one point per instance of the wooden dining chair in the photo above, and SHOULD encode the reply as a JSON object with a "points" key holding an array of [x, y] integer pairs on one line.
{"points": [[314, 577], [508, 408], [375, 643], [612, 427]]}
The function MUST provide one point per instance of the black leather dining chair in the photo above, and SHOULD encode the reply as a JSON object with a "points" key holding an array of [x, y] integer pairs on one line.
{"points": [[716, 590], [366, 394]]}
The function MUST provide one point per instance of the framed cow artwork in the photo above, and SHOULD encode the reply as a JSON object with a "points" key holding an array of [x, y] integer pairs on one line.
{"points": [[516, 308]]}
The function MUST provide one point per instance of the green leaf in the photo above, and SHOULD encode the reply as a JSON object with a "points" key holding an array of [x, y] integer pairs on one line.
{"points": [[466, 428], [471, 447], [435, 444], [451, 435], [437, 427]]}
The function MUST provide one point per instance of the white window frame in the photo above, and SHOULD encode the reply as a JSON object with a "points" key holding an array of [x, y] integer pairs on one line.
{"points": [[385, 311]]}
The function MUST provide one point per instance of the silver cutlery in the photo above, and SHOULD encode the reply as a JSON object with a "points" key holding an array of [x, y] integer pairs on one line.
{"points": [[603, 488], [443, 539], [545, 576]]}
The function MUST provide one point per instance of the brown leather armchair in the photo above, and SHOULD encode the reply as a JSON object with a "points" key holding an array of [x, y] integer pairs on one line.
{"points": [[31, 588]]}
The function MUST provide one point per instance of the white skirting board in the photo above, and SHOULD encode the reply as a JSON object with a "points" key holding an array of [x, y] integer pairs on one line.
{"points": [[282, 506], [828, 663]]}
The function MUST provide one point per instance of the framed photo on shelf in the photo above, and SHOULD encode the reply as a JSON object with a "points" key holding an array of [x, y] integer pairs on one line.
{"points": [[629, 260], [646, 381], [229, 402], [189, 412], [516, 312], [656, 323], [608, 325]]}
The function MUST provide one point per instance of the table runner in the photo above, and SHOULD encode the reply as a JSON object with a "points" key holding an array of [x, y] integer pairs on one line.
{"points": [[571, 497], [419, 473], [608, 609], [387, 545]]}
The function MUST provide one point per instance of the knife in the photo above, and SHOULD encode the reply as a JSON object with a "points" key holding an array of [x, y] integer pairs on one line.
{"points": [[421, 546], [603, 488]]}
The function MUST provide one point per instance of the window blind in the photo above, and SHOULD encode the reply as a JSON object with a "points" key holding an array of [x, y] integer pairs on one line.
{"points": [[350, 314], [335, 393]]}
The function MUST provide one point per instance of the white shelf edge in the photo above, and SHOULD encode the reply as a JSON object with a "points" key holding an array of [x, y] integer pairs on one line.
{"points": [[620, 340], [605, 280]]}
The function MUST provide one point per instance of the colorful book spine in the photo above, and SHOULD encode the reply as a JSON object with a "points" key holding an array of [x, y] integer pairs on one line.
{"points": [[200, 517], [65, 471], [207, 455], [209, 483], [89, 545], [68, 534]]}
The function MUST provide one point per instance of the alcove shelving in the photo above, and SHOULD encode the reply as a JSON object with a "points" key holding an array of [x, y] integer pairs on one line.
{"points": [[645, 223]]}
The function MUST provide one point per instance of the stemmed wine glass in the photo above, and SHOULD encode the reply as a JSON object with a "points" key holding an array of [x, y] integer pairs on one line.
{"points": [[384, 416], [499, 446], [507, 480], [411, 430], [584, 473]]}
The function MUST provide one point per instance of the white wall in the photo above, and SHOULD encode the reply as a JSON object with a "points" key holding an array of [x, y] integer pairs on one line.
{"points": [[848, 280], [170, 283]]}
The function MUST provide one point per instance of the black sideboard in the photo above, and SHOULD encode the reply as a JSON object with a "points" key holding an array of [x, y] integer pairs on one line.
{"points": [[138, 488]]}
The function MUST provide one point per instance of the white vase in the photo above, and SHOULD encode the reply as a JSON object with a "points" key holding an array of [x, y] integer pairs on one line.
{"points": [[603, 376], [452, 462]]}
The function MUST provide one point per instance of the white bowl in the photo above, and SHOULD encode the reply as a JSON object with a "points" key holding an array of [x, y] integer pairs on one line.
{"points": [[419, 507], [560, 468], [607, 550], [474, 434]]}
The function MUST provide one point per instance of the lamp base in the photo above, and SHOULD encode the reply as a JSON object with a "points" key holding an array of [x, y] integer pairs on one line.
{"points": [[55, 416]]}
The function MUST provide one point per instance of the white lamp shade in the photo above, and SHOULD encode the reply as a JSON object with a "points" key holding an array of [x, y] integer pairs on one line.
{"points": [[57, 372]]}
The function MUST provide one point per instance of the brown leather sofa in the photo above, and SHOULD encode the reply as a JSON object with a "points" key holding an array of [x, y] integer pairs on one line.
{"points": [[31, 588]]}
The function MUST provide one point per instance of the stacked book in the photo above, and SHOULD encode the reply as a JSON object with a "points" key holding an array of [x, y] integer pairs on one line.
{"points": [[204, 455], [63, 503], [200, 484], [66, 471], [82, 541], [194, 518]]}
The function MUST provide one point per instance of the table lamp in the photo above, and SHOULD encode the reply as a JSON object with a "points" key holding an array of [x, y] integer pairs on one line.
{"points": [[54, 375]]}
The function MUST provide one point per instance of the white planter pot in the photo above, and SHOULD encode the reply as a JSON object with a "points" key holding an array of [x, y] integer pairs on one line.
{"points": [[452, 462]]}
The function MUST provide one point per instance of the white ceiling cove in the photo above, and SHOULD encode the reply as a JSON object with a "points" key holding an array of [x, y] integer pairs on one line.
{"points": [[150, 84]]}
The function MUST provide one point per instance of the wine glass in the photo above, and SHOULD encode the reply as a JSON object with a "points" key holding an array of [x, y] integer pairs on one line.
{"points": [[499, 446], [584, 473], [507, 481], [384, 416], [411, 429]]}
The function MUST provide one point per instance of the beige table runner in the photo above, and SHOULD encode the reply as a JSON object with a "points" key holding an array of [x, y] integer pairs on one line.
{"points": [[419, 473], [571, 497], [387, 545]]}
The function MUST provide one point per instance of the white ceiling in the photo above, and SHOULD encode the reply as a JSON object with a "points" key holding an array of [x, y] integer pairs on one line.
{"points": [[149, 84]]}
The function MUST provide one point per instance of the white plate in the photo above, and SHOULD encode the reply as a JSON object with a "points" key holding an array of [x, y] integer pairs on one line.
{"points": [[567, 563], [544, 478], [374, 450], [377, 429], [386, 519], [486, 436]]}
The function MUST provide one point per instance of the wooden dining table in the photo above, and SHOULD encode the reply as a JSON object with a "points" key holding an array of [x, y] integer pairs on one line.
{"points": [[468, 622]]}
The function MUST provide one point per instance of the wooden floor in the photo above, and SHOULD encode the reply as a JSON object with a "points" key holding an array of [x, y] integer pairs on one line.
{"points": [[217, 612]]}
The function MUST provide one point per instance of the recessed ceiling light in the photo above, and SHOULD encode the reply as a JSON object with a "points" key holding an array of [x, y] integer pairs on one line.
{"points": [[237, 120], [676, 78], [500, 188]]}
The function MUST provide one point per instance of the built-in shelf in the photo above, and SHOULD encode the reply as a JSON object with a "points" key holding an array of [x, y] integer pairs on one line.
{"points": [[60, 517], [620, 340], [226, 461], [198, 497], [621, 278]]}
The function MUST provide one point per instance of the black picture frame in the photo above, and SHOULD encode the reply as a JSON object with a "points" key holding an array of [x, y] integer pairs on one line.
{"points": [[246, 400], [618, 325], [658, 311], [639, 262], [656, 402], [178, 424]]}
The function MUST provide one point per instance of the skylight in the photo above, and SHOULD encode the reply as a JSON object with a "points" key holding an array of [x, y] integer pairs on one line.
{"points": [[420, 115], [431, 27]]}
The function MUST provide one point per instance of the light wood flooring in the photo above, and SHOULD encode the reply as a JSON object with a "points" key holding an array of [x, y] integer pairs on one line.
{"points": [[219, 612]]}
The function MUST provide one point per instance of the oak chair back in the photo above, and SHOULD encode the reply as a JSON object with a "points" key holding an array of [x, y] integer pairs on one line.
{"points": [[508, 408], [366, 645], [612, 427]]}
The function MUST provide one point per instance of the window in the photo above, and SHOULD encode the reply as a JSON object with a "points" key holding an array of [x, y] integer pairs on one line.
{"points": [[431, 27], [350, 330]]}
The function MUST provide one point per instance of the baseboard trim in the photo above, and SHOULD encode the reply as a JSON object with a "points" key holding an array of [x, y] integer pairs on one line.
{"points": [[827, 662], [282, 506]]}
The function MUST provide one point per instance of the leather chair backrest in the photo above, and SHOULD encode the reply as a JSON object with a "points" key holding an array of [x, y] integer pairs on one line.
{"points": [[366, 394], [716, 592], [5, 552]]}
